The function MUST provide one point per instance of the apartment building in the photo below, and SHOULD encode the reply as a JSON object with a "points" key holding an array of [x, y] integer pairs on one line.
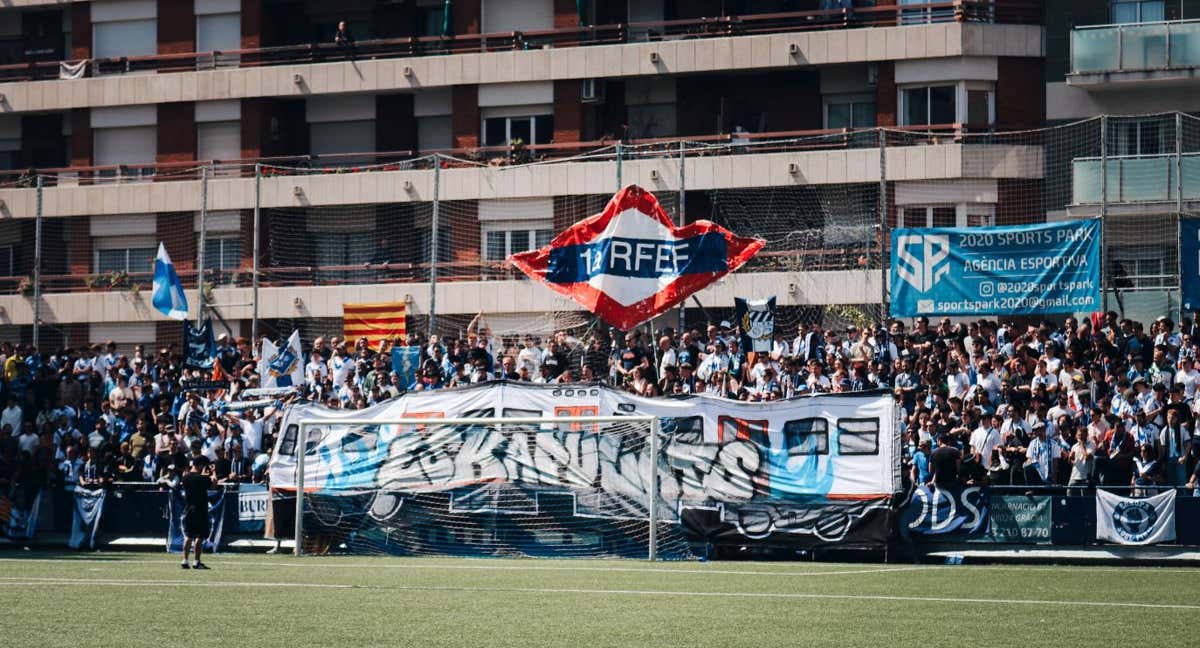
{"points": [[152, 120]]}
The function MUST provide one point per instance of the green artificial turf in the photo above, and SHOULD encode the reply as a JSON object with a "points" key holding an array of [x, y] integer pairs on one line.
{"points": [[130, 600]]}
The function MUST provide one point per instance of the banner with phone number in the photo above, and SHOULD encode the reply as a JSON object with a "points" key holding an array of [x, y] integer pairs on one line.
{"points": [[1017, 270]]}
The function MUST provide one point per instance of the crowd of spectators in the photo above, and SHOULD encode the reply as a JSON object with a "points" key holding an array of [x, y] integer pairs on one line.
{"points": [[1102, 401]]}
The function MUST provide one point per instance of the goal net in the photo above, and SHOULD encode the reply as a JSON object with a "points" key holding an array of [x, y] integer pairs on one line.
{"points": [[550, 487]]}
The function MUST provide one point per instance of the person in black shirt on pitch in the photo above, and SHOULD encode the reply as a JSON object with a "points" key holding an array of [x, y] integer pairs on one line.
{"points": [[195, 513], [944, 463]]}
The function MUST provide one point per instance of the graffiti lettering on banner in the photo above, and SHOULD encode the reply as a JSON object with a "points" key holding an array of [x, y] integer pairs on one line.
{"points": [[1019, 270], [934, 511], [252, 507]]}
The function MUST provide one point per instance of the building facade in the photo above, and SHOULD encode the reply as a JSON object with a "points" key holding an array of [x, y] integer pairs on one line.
{"points": [[815, 125]]}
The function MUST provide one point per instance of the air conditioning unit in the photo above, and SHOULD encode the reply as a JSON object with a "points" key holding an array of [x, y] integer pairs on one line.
{"points": [[592, 91]]}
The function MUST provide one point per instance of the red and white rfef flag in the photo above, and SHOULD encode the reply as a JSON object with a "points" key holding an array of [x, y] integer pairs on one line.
{"points": [[630, 262]]}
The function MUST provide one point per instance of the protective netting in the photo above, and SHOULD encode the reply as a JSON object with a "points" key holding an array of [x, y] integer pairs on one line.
{"points": [[552, 489]]}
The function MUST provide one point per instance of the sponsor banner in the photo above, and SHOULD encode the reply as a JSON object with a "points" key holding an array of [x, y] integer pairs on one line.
{"points": [[202, 384], [89, 507], [216, 521], [756, 319], [630, 262], [1189, 262], [934, 511], [1018, 270], [1125, 520], [800, 472], [1019, 519], [253, 501]]}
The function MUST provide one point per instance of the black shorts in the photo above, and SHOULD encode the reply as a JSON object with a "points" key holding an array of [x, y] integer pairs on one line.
{"points": [[195, 524]]}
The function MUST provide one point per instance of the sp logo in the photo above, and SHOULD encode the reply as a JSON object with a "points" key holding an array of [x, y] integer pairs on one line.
{"points": [[923, 270], [1134, 521]]}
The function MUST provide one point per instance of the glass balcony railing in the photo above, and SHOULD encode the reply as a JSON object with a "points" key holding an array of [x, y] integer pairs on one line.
{"points": [[1135, 178], [1135, 47]]}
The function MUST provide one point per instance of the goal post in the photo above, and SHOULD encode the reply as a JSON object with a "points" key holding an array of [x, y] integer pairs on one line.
{"points": [[497, 485]]}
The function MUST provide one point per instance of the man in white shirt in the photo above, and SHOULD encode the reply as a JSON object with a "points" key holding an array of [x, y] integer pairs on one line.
{"points": [[530, 357], [957, 381], [11, 416], [69, 467], [988, 381], [340, 366], [1188, 376], [1082, 457], [666, 354], [315, 371], [984, 440], [1039, 457]]}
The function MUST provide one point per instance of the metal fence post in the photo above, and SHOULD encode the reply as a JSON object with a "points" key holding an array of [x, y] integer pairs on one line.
{"points": [[1104, 211], [682, 217], [1179, 207], [203, 245], [433, 243], [883, 233], [652, 504], [37, 268], [619, 185], [254, 259]]}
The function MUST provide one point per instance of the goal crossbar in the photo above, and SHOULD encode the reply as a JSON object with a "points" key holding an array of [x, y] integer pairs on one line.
{"points": [[302, 452]]}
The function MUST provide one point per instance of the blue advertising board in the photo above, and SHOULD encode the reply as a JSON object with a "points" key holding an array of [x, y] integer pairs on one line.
{"points": [[1189, 262], [1018, 270]]}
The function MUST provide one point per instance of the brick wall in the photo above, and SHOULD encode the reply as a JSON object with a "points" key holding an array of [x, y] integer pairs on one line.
{"points": [[252, 24], [885, 94], [177, 231], [395, 127], [79, 244], [466, 16], [176, 132], [465, 121], [81, 137], [568, 112], [176, 26], [1020, 93], [565, 14], [81, 29]]}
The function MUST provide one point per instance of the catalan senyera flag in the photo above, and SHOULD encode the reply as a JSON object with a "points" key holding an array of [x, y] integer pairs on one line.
{"points": [[376, 322]]}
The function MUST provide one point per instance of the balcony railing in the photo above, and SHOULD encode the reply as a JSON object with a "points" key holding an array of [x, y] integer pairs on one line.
{"points": [[1135, 178], [974, 11], [587, 151], [1137, 47]]}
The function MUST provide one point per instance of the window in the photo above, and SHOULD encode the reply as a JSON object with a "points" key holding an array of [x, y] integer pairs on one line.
{"points": [[432, 18], [500, 243], [1137, 11], [114, 256], [848, 111], [939, 216], [219, 141], [858, 436], [435, 133], [929, 105], [223, 253], [218, 32], [341, 137], [532, 129], [1137, 137], [7, 254], [125, 38], [287, 446], [807, 436]]}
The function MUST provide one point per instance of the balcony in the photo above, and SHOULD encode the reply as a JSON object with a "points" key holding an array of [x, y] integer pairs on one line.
{"points": [[1136, 179], [1160, 53]]}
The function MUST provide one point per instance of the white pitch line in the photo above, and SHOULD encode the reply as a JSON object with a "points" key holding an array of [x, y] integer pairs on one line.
{"points": [[484, 566], [19, 581]]}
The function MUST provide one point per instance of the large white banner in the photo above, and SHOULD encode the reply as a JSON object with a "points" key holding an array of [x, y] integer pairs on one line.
{"points": [[1124, 520]]}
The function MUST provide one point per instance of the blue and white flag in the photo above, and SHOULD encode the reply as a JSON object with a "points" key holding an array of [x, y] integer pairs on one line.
{"points": [[89, 507], [198, 344], [286, 367], [266, 355], [1131, 521], [168, 295], [406, 362]]}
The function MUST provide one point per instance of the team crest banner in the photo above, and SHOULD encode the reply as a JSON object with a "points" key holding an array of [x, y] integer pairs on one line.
{"points": [[630, 262], [1125, 520], [1020, 270], [756, 319], [198, 344]]}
